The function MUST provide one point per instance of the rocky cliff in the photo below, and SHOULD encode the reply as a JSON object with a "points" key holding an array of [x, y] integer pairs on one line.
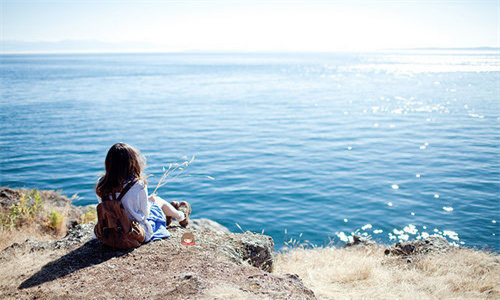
{"points": [[47, 252], [219, 264]]}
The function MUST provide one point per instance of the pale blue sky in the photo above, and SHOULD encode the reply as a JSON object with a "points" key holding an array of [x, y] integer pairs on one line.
{"points": [[256, 25]]}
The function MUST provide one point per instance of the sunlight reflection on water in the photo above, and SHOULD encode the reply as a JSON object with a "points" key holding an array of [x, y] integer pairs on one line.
{"points": [[314, 143]]}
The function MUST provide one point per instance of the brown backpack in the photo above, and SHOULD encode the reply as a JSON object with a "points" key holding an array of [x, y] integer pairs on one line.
{"points": [[114, 227]]}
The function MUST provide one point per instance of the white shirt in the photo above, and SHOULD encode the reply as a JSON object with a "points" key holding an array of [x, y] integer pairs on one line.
{"points": [[137, 206]]}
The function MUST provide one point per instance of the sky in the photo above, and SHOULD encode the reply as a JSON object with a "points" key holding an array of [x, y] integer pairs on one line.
{"points": [[322, 26]]}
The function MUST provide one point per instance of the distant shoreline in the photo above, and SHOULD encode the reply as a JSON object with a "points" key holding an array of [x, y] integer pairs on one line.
{"points": [[183, 52]]}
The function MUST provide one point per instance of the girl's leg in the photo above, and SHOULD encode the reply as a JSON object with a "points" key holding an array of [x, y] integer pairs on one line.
{"points": [[168, 209]]}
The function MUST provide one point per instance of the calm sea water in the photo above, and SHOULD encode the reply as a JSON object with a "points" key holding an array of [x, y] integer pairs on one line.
{"points": [[396, 145]]}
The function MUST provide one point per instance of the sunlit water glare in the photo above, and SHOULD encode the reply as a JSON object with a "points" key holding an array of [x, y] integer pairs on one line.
{"points": [[395, 145]]}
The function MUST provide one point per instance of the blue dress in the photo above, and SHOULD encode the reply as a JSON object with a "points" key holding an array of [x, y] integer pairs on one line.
{"points": [[158, 222]]}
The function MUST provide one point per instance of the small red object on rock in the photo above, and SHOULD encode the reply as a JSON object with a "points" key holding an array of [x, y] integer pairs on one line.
{"points": [[187, 239]]}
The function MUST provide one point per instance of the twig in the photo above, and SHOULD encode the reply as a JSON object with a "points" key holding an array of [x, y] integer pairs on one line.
{"points": [[171, 169]]}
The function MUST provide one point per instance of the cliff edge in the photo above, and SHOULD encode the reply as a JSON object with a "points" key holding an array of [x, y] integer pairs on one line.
{"points": [[48, 252], [219, 264]]}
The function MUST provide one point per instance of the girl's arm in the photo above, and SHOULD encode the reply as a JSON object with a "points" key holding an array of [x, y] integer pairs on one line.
{"points": [[152, 197]]}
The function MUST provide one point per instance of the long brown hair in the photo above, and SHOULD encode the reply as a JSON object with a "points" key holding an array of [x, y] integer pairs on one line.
{"points": [[123, 163]]}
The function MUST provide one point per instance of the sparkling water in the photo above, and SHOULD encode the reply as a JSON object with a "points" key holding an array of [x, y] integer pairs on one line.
{"points": [[308, 147]]}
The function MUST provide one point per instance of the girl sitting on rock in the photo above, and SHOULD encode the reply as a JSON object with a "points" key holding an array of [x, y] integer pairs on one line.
{"points": [[124, 165]]}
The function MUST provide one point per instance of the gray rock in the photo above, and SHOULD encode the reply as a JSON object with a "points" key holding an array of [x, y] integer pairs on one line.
{"points": [[253, 248], [414, 247], [239, 260], [77, 235], [359, 241], [200, 224], [8, 197], [258, 250]]}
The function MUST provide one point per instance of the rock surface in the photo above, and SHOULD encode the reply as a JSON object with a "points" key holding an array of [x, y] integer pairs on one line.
{"points": [[199, 224], [423, 246], [359, 241], [79, 267], [220, 265]]}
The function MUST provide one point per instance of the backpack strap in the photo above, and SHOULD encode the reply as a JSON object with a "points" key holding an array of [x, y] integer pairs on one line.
{"points": [[124, 191], [126, 188]]}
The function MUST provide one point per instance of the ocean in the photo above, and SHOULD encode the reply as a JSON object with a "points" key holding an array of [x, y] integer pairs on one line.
{"points": [[307, 148]]}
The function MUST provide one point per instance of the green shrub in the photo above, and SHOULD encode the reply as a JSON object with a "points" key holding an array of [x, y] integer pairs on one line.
{"points": [[55, 219], [25, 211], [89, 216]]}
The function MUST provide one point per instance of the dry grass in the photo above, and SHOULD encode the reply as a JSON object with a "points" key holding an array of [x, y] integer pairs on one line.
{"points": [[34, 216], [35, 231], [366, 273], [31, 231]]}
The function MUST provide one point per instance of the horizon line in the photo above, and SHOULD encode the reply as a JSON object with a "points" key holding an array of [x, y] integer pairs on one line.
{"points": [[201, 51], [10, 46]]}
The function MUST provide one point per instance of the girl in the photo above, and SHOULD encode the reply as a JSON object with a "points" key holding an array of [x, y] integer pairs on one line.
{"points": [[124, 164]]}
